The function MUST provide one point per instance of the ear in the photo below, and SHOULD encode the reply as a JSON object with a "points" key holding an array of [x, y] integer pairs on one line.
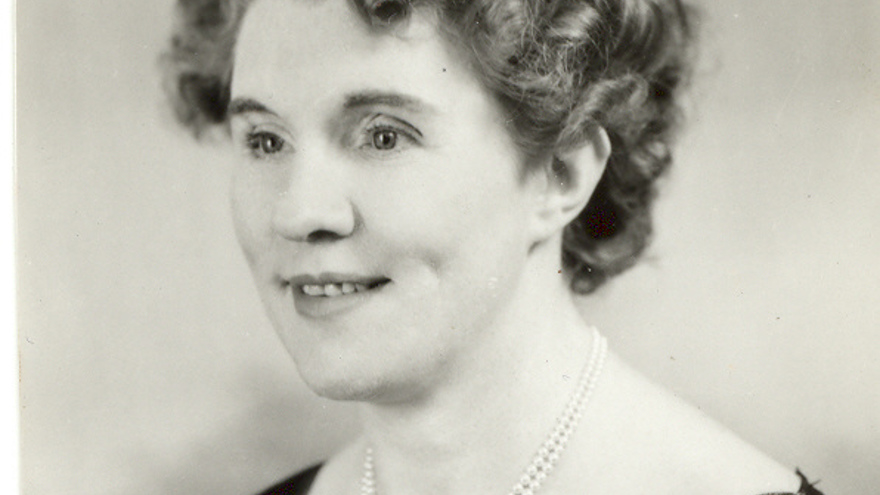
{"points": [[566, 182]]}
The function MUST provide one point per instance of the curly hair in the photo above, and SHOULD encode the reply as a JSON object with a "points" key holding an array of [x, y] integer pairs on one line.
{"points": [[560, 68]]}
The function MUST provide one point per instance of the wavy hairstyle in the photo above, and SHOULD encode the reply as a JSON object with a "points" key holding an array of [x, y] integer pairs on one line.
{"points": [[560, 68]]}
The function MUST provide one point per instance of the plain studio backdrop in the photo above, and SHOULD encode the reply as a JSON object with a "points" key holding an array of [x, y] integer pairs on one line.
{"points": [[148, 367]]}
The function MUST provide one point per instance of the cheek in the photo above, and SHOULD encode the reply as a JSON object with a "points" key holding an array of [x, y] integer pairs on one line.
{"points": [[251, 214], [464, 229], [251, 211]]}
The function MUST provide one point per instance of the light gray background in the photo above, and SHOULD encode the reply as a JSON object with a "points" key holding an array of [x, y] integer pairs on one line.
{"points": [[147, 365]]}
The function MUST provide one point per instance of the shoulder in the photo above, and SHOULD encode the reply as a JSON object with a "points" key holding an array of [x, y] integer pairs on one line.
{"points": [[647, 440]]}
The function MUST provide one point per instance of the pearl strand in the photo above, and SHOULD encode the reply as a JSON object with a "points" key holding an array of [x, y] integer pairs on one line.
{"points": [[548, 454], [368, 480]]}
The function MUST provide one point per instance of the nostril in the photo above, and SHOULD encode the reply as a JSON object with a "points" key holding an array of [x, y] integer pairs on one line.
{"points": [[313, 217], [319, 236]]}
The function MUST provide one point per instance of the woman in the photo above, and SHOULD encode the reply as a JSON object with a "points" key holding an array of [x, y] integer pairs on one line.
{"points": [[420, 188]]}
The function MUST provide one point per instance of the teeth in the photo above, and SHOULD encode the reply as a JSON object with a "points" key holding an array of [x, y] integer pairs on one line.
{"points": [[333, 290], [313, 290]]}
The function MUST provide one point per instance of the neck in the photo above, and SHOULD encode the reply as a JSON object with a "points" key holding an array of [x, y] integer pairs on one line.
{"points": [[478, 430]]}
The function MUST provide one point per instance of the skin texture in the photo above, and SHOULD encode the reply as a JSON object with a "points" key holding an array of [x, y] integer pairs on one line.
{"points": [[560, 68], [366, 156], [445, 214]]}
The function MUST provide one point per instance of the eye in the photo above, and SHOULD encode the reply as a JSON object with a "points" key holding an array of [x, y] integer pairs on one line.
{"points": [[384, 139], [264, 143], [385, 11], [385, 134]]}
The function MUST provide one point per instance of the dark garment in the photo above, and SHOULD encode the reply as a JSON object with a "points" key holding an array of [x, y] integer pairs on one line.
{"points": [[806, 488], [297, 484], [300, 483]]}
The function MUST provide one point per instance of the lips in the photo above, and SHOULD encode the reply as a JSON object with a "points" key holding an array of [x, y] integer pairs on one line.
{"points": [[336, 289], [330, 294]]}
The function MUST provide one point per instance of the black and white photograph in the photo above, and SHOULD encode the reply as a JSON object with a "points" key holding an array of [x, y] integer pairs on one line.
{"points": [[447, 247]]}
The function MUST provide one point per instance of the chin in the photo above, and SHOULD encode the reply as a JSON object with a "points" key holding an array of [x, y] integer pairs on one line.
{"points": [[341, 385], [355, 385]]}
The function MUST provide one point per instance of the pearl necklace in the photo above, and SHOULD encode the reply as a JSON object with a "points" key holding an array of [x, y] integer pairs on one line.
{"points": [[548, 454]]}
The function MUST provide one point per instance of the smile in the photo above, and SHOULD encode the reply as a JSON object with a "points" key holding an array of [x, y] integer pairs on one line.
{"points": [[330, 295], [337, 289]]}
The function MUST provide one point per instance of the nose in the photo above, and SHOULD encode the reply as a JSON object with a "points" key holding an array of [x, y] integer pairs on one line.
{"points": [[315, 206]]}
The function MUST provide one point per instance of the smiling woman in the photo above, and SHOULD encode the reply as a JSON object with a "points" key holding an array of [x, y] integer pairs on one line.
{"points": [[419, 189]]}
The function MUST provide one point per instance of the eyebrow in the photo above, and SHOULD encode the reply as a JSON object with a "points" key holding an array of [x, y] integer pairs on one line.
{"points": [[362, 99], [380, 98], [239, 106]]}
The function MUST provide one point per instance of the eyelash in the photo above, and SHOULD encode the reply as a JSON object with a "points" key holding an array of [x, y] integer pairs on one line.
{"points": [[263, 144], [401, 137], [255, 140]]}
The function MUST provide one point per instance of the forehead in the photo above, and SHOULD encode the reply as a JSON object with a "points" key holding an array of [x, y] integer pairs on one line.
{"points": [[316, 49]]}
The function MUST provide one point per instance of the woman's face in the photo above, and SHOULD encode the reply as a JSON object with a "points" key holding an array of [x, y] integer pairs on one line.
{"points": [[377, 197]]}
